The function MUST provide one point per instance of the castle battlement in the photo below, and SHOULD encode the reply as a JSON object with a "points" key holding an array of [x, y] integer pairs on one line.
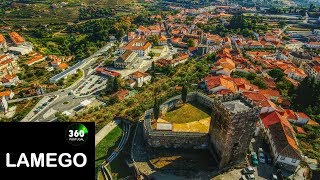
{"points": [[233, 119]]}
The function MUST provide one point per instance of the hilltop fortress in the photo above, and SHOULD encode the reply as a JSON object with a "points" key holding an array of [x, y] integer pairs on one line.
{"points": [[231, 127]]}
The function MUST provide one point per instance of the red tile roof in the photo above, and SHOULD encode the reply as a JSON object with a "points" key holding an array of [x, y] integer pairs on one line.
{"points": [[132, 45], [16, 38], [270, 92], [300, 130], [270, 119], [216, 81], [282, 135], [138, 74], [302, 115], [5, 93], [63, 66], [34, 59], [312, 123], [290, 114], [122, 94], [107, 72], [2, 39]]}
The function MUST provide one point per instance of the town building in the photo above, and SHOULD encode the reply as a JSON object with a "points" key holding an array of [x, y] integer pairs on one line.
{"points": [[267, 106], [313, 45], [8, 69], [4, 97], [179, 59], [313, 69], [297, 117], [140, 46], [162, 40], [281, 138], [107, 72], [35, 59], [3, 45], [125, 59], [138, 79], [59, 62], [16, 38], [20, 50]]}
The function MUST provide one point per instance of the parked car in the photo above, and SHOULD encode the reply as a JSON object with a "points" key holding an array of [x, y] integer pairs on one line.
{"points": [[248, 177], [274, 177], [269, 159], [260, 150], [247, 170], [262, 158], [254, 159]]}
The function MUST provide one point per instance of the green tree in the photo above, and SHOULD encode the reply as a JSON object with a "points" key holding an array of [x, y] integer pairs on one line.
{"points": [[60, 82], [151, 54], [307, 98], [154, 40], [276, 73], [113, 99], [184, 93], [156, 109], [282, 24], [251, 76], [191, 43], [211, 57], [260, 83], [61, 117], [153, 72], [116, 84]]}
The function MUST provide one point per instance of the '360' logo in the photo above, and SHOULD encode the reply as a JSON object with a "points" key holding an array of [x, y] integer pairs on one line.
{"points": [[77, 134]]}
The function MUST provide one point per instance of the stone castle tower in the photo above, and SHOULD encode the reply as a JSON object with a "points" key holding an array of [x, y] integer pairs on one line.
{"points": [[233, 122]]}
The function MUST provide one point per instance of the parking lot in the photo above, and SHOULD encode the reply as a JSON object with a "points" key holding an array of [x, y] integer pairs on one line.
{"points": [[265, 168], [43, 103], [91, 85]]}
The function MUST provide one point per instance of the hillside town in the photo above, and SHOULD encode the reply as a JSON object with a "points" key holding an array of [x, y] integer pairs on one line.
{"points": [[150, 70]]}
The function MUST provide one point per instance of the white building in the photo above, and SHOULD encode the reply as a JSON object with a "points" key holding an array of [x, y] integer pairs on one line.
{"points": [[313, 69], [3, 104], [21, 50], [313, 45], [281, 137], [140, 78], [4, 96], [125, 59], [140, 46]]}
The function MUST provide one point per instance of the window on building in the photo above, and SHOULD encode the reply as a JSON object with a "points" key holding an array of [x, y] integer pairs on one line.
{"points": [[294, 161], [282, 158]]}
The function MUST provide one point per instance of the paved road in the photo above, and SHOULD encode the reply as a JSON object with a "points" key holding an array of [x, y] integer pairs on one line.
{"points": [[124, 139], [67, 100], [80, 64], [106, 130], [32, 114]]}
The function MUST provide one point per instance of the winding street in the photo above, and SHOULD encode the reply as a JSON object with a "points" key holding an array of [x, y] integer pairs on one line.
{"points": [[66, 95], [124, 139], [125, 136]]}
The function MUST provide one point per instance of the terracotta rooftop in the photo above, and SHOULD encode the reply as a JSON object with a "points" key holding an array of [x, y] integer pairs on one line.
{"points": [[2, 39], [16, 38], [300, 130], [63, 66], [137, 44], [282, 135], [34, 59], [139, 74]]}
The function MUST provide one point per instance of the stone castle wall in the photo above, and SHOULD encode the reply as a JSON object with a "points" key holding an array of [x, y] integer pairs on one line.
{"points": [[191, 97], [229, 134], [169, 139], [177, 140]]}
